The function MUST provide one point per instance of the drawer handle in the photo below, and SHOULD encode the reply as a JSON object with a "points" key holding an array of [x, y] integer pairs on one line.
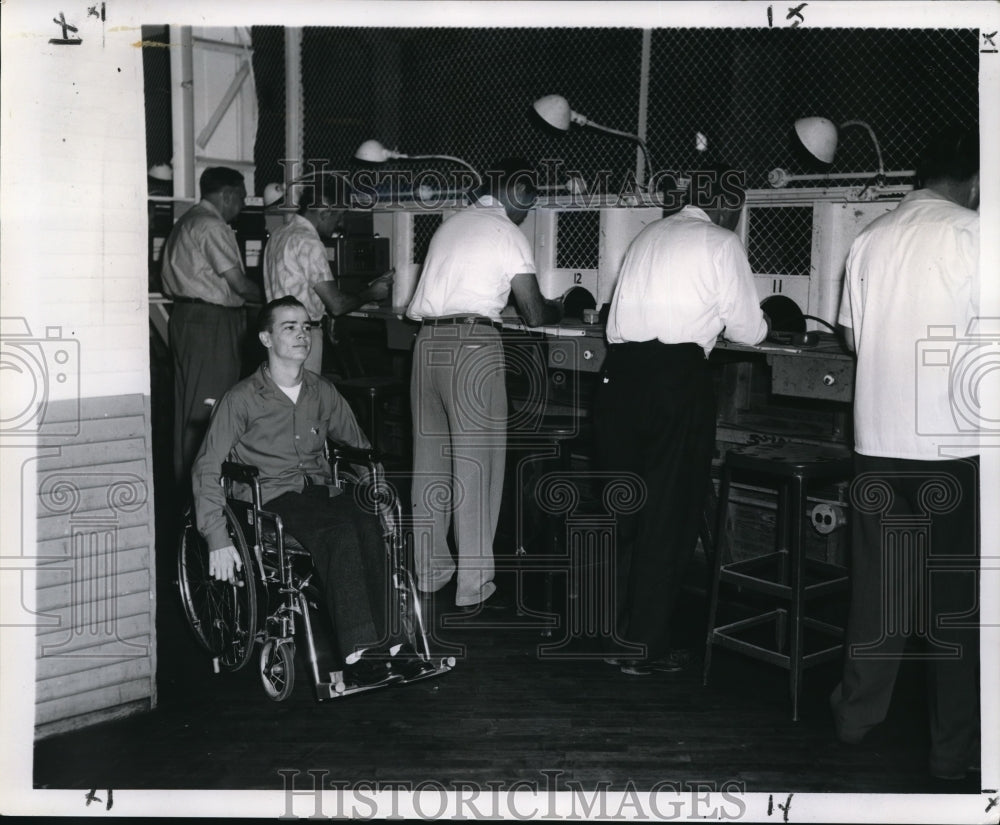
{"points": [[829, 380], [588, 354]]}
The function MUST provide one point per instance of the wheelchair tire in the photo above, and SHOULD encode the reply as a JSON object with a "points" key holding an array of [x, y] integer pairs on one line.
{"points": [[277, 668], [223, 616]]}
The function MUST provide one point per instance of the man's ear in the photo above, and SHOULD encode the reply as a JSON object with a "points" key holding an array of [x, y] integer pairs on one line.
{"points": [[265, 339]]}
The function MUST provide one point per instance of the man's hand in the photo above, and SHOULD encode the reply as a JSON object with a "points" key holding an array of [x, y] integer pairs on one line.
{"points": [[224, 563], [380, 288]]}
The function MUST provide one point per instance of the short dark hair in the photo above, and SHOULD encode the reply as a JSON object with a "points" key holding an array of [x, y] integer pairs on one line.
{"points": [[717, 186], [511, 170], [216, 178], [952, 154], [315, 193], [265, 318]]}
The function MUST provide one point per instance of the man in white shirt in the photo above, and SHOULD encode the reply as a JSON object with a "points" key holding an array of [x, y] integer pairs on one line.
{"points": [[475, 261], [684, 280], [295, 263], [910, 273]]}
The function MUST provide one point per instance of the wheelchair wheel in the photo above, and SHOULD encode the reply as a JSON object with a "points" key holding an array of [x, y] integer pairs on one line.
{"points": [[223, 616], [277, 668]]}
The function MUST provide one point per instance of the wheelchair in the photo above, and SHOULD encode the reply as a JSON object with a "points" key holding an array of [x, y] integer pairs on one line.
{"points": [[274, 595]]}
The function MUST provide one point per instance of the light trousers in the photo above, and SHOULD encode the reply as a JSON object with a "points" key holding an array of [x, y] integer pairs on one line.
{"points": [[459, 401]]}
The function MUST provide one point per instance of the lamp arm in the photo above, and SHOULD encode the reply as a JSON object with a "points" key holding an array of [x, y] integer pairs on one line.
{"points": [[582, 121], [466, 164], [871, 132]]}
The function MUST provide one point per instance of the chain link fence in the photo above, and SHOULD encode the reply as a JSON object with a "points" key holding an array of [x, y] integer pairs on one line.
{"points": [[469, 93]]}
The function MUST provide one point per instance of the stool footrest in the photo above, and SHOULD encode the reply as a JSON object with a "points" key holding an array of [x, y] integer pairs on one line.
{"points": [[725, 636]]}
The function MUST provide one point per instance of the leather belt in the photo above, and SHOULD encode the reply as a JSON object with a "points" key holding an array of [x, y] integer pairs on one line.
{"points": [[469, 320], [184, 299]]}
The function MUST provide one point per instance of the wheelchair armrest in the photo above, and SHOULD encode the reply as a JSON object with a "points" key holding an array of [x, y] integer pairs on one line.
{"points": [[355, 455], [241, 473]]}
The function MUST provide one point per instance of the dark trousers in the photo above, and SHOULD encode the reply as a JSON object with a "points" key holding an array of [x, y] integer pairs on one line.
{"points": [[350, 559], [915, 550], [205, 340], [654, 416]]}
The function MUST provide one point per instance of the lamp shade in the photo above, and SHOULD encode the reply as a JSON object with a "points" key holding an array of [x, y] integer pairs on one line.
{"points": [[554, 110], [819, 136], [373, 152], [273, 193]]}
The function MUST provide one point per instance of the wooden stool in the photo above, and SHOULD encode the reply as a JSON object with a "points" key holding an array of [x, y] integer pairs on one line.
{"points": [[788, 468]]}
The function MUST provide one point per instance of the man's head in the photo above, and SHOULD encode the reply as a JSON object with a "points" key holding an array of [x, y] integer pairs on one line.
{"points": [[720, 190], [512, 182], [284, 329], [950, 166], [319, 211], [225, 189]]}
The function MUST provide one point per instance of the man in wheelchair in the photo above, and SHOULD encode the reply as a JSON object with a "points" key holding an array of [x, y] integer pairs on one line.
{"points": [[278, 420]]}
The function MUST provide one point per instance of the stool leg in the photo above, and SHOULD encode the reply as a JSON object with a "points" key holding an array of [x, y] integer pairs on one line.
{"points": [[373, 420], [783, 528], [797, 552], [722, 506]]}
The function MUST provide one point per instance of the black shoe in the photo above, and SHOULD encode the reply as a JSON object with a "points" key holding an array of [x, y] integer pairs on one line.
{"points": [[409, 666], [494, 603], [367, 672], [674, 662]]}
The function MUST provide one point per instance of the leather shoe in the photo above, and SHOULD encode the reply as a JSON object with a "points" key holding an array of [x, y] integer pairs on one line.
{"points": [[493, 603], [369, 673], [408, 664]]}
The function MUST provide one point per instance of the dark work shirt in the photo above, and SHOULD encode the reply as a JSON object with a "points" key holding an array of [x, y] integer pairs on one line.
{"points": [[256, 423]]}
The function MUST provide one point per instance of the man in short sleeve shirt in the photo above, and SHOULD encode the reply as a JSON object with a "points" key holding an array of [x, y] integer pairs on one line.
{"points": [[911, 294], [203, 274], [475, 261]]}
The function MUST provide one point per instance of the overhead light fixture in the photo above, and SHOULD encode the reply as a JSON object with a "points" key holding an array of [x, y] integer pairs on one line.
{"points": [[820, 136], [371, 151], [556, 112]]}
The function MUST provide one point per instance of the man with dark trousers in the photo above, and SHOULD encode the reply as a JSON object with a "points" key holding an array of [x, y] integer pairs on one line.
{"points": [[911, 295], [203, 274], [278, 420], [684, 280]]}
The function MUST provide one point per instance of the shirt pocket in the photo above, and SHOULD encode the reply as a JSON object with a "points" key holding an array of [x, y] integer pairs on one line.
{"points": [[314, 436]]}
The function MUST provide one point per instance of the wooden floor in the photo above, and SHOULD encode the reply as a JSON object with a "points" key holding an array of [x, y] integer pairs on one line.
{"points": [[508, 712]]}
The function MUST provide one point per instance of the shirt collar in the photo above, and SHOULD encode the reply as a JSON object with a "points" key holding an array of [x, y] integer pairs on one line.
{"points": [[304, 223], [264, 383], [695, 212], [209, 206]]}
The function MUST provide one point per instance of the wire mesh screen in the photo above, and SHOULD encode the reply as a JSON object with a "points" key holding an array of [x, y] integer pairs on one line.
{"points": [[468, 92], [578, 239], [779, 239], [269, 77], [425, 224], [156, 88]]}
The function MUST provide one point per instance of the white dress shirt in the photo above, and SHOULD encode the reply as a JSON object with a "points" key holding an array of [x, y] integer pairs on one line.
{"points": [[914, 268], [470, 263], [685, 280]]}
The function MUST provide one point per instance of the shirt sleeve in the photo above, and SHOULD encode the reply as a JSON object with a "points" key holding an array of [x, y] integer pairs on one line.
{"points": [[312, 259], [220, 247], [228, 423], [521, 257], [739, 306]]}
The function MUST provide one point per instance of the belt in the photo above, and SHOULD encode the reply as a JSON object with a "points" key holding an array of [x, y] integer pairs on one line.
{"points": [[468, 320], [184, 299]]}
